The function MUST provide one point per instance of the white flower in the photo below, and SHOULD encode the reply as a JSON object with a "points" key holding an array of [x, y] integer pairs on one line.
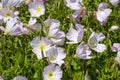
{"points": [[52, 31], [103, 13], [73, 4], [75, 36], [83, 51], [40, 46], [12, 3], [52, 72], [13, 27], [56, 55], [32, 25], [93, 42], [114, 2], [7, 14], [116, 48], [20, 78], [36, 8]]}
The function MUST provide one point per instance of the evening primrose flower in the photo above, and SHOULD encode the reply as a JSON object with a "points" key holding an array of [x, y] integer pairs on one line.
{"points": [[114, 2], [78, 14], [116, 48], [6, 14], [52, 72], [40, 46], [103, 13], [12, 27], [75, 36], [56, 55], [83, 51], [20, 78], [36, 8], [73, 4], [52, 31], [32, 25], [12, 3], [93, 42]]}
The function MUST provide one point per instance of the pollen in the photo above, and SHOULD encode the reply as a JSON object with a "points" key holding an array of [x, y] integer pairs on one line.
{"points": [[8, 14], [38, 9], [42, 47], [50, 75]]}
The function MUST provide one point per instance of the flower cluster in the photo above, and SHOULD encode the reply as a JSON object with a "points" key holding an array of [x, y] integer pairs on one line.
{"points": [[49, 45]]}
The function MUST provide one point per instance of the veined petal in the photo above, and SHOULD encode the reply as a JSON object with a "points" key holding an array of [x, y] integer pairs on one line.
{"points": [[114, 2], [37, 52], [99, 36], [32, 21], [103, 5], [100, 48], [72, 35], [35, 42], [116, 47]]}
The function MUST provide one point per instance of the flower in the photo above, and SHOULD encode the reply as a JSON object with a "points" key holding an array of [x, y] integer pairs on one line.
{"points": [[20, 78], [114, 2], [36, 8], [6, 14], [116, 48], [52, 31], [78, 14], [12, 3], [40, 46], [56, 55], [13, 27], [114, 28], [103, 13], [75, 36], [31, 26], [52, 72], [73, 4], [93, 42], [83, 51]]}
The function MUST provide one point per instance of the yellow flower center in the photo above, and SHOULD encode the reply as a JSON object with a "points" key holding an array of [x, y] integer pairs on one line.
{"points": [[42, 47], [8, 14], [39, 9], [52, 58], [50, 75]]}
